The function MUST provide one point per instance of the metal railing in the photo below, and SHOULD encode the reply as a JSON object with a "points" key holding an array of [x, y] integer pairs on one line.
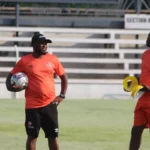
{"points": [[80, 68], [51, 11]]}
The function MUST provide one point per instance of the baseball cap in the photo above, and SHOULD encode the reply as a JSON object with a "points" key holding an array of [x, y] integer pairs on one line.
{"points": [[39, 38]]}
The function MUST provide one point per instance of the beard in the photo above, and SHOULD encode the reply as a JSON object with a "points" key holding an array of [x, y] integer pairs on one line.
{"points": [[39, 51], [43, 52]]}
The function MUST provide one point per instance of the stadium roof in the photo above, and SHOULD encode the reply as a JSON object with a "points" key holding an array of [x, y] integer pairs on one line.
{"points": [[66, 1]]}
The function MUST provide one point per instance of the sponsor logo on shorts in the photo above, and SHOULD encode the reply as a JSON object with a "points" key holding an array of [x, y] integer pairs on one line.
{"points": [[56, 130], [30, 125]]}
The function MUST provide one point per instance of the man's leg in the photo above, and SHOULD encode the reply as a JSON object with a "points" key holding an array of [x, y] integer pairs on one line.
{"points": [[31, 143], [32, 125], [53, 144], [49, 124], [136, 136]]}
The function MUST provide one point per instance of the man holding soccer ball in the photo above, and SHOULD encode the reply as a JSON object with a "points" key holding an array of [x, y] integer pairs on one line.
{"points": [[41, 101]]}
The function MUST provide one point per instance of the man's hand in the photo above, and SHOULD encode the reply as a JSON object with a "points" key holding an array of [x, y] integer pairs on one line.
{"points": [[19, 88], [145, 88], [57, 100]]}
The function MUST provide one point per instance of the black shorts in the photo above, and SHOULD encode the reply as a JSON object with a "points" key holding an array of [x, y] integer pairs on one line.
{"points": [[45, 118]]}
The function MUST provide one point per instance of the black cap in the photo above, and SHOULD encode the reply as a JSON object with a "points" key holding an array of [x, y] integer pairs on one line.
{"points": [[39, 38]]}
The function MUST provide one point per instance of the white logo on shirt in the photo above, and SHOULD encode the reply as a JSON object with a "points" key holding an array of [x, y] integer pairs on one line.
{"points": [[49, 65]]}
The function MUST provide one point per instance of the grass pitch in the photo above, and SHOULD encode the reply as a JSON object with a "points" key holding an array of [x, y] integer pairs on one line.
{"points": [[84, 125]]}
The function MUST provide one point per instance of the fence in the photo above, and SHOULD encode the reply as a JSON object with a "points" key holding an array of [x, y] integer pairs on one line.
{"points": [[58, 11], [89, 55]]}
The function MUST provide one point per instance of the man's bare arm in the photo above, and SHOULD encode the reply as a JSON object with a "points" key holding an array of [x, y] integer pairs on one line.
{"points": [[64, 83]]}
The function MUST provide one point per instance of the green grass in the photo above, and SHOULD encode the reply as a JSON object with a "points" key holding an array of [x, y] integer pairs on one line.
{"points": [[84, 125]]}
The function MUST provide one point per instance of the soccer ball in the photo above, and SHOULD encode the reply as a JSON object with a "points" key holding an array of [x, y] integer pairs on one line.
{"points": [[19, 80]]}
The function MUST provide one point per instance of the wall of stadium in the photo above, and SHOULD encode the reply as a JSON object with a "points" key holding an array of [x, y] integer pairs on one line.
{"points": [[78, 91]]}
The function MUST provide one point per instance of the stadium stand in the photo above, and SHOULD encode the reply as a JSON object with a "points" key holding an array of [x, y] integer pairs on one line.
{"points": [[86, 58], [99, 57]]}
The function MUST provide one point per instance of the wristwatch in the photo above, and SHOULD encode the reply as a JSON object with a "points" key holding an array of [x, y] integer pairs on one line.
{"points": [[62, 95]]}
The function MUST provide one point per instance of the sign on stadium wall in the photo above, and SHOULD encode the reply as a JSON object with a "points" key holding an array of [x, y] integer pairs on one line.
{"points": [[137, 21]]}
